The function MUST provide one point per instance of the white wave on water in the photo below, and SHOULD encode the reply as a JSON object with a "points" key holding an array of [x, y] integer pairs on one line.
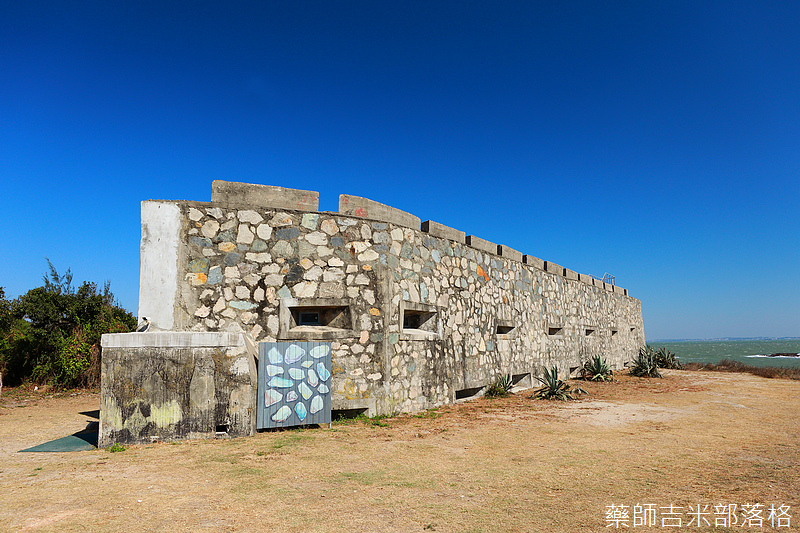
{"points": [[776, 356]]}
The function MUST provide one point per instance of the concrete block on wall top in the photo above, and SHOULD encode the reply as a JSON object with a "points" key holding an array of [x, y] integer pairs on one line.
{"points": [[443, 232], [355, 206], [619, 290], [510, 253], [553, 268], [585, 278], [570, 274], [481, 244], [235, 193], [533, 261]]}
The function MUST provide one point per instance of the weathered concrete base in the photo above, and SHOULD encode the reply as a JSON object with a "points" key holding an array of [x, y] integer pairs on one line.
{"points": [[174, 385]]}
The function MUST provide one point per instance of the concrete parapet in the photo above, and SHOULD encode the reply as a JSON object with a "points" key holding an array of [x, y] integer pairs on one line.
{"points": [[533, 261], [481, 244], [510, 253], [365, 208], [585, 278], [235, 193], [553, 268], [619, 290], [570, 274], [173, 339], [443, 232]]}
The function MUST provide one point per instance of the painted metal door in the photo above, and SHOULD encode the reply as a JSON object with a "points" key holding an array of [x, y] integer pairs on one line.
{"points": [[294, 381]]}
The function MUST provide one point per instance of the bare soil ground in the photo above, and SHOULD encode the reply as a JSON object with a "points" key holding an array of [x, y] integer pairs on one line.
{"points": [[489, 465]]}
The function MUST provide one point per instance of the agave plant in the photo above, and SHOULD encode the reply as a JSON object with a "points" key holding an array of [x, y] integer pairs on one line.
{"points": [[667, 359], [554, 388], [501, 386], [597, 369], [645, 364]]}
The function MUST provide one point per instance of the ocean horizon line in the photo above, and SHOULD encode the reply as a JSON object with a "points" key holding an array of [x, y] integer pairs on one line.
{"points": [[718, 339]]}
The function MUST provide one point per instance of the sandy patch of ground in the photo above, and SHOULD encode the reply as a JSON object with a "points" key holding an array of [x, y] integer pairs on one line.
{"points": [[512, 464]]}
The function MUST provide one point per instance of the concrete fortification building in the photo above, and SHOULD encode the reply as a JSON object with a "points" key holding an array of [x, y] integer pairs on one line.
{"points": [[416, 314]]}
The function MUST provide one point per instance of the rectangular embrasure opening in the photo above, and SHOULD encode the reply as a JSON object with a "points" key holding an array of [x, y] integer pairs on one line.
{"points": [[346, 414], [337, 316], [589, 332], [468, 393], [504, 329], [554, 331], [521, 380], [221, 428], [415, 319]]}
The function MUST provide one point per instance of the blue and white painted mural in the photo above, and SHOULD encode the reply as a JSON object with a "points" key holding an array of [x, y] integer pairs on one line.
{"points": [[293, 384]]}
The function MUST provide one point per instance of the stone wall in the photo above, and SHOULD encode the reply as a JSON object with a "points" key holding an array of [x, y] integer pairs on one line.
{"points": [[471, 309]]}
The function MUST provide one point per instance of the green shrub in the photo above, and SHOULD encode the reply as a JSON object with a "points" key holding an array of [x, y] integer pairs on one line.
{"points": [[501, 387], [645, 364], [51, 334], [597, 369], [554, 388]]}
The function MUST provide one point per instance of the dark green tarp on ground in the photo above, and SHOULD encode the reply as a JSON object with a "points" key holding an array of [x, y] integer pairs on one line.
{"points": [[77, 442]]}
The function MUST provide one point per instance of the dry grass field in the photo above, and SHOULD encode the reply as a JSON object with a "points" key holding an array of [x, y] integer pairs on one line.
{"points": [[490, 465]]}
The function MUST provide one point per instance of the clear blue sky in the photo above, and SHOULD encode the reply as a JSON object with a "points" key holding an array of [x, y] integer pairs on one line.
{"points": [[657, 141]]}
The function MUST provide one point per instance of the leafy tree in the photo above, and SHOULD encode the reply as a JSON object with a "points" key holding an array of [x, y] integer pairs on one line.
{"points": [[52, 333]]}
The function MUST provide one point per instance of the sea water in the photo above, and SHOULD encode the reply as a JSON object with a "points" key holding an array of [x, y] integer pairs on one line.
{"points": [[753, 352]]}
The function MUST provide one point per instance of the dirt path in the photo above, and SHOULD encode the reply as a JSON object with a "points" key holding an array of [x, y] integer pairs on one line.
{"points": [[504, 465]]}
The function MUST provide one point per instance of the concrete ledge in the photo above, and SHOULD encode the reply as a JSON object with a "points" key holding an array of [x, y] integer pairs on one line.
{"points": [[481, 244], [236, 194], [585, 278], [365, 208], [553, 268], [443, 232], [505, 251], [533, 261], [570, 274], [172, 339]]}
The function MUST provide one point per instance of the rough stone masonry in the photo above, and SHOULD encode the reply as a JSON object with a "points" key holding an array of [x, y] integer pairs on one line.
{"points": [[418, 314]]}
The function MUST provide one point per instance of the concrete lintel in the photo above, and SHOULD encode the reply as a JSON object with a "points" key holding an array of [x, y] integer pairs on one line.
{"points": [[505, 251], [570, 274], [251, 194], [533, 261], [173, 339], [585, 278], [481, 244], [416, 306], [443, 232], [338, 404], [356, 206], [553, 268]]}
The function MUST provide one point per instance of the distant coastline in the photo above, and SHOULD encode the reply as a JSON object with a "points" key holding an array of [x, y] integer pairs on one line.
{"points": [[757, 351], [722, 339]]}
